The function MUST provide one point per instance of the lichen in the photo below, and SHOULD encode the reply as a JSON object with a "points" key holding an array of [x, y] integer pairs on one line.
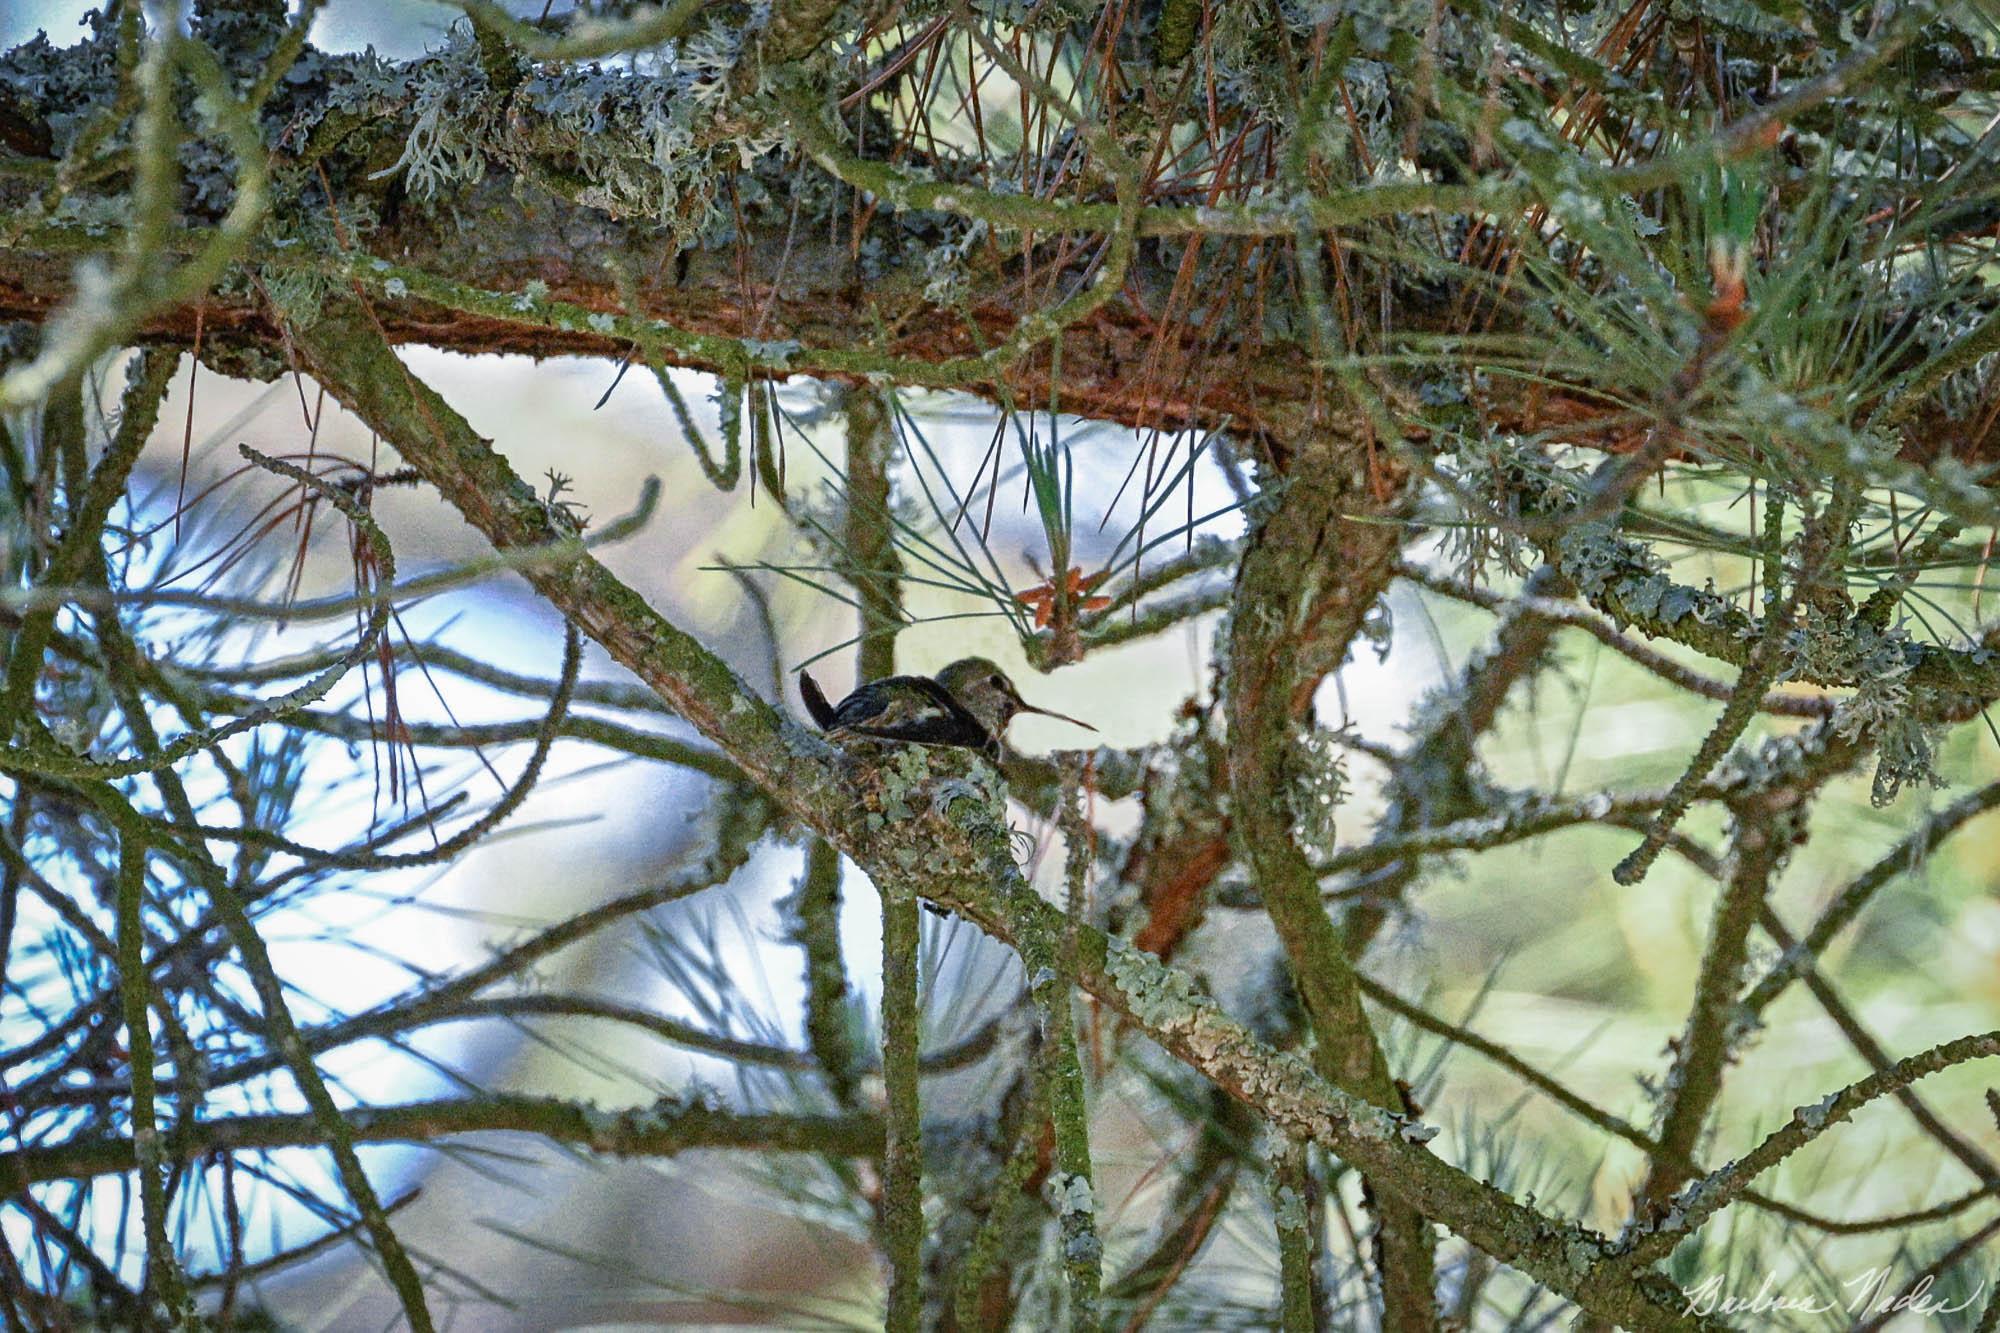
{"points": [[1288, 1208], [1162, 999], [1316, 772], [1415, 1131], [1815, 1116], [1071, 1195], [635, 142]]}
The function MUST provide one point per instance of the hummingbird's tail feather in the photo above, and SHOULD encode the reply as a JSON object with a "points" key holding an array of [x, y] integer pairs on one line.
{"points": [[816, 704]]}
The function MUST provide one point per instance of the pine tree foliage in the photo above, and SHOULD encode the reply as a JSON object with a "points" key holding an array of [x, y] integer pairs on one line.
{"points": [[1667, 329]]}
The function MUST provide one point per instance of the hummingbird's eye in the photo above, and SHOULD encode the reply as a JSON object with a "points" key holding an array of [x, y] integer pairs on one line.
{"points": [[997, 681]]}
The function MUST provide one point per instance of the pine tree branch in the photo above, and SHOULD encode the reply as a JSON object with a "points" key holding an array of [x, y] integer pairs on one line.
{"points": [[351, 359], [667, 1127], [1701, 1199], [1309, 575]]}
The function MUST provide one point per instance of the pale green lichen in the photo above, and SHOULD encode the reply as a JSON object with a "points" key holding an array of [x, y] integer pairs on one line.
{"points": [[1162, 999], [1815, 1116], [1288, 1208], [1071, 1195], [1316, 770], [775, 354], [632, 141]]}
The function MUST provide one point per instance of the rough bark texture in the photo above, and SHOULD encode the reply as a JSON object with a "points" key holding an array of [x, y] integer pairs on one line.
{"points": [[1311, 572]]}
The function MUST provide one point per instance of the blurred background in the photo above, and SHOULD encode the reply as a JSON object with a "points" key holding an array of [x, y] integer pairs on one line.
{"points": [[1533, 945]]}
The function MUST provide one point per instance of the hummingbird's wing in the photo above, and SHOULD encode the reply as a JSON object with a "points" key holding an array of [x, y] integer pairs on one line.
{"points": [[909, 708]]}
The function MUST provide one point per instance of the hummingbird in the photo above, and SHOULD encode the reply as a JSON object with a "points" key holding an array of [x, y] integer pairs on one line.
{"points": [[969, 703]]}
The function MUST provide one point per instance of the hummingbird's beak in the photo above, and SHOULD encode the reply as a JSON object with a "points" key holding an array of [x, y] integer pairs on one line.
{"points": [[1060, 717]]}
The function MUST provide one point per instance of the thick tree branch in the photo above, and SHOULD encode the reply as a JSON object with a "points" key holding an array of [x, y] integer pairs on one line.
{"points": [[1311, 573]]}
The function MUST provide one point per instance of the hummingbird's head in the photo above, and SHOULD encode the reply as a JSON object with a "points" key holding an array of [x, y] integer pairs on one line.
{"points": [[989, 696]]}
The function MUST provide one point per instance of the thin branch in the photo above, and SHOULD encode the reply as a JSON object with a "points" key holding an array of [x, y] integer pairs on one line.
{"points": [[1708, 1195], [667, 1127]]}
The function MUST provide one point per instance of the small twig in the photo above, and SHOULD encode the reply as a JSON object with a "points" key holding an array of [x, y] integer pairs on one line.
{"points": [[902, 1208], [163, 1271], [1298, 1300], [1705, 1197]]}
